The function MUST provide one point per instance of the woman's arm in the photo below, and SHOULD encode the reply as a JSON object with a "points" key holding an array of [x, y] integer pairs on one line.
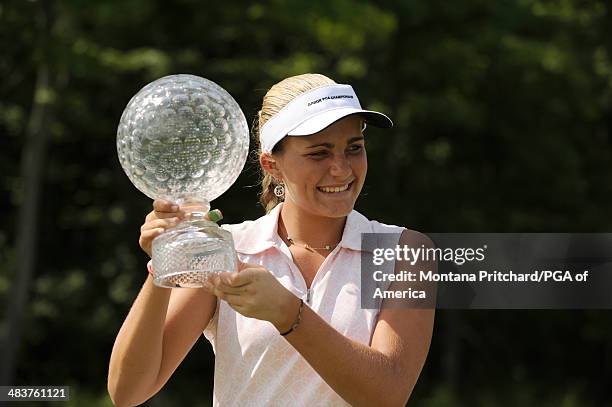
{"points": [[382, 374], [157, 334], [160, 328]]}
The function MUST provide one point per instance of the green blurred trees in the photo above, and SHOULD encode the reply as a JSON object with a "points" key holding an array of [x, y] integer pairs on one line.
{"points": [[503, 123]]}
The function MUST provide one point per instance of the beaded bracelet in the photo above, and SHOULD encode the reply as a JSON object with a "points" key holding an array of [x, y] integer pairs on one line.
{"points": [[297, 320]]}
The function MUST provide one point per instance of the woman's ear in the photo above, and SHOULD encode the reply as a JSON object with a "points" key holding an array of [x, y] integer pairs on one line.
{"points": [[270, 165]]}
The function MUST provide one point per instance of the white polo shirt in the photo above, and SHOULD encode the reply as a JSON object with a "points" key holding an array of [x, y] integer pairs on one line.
{"points": [[254, 364]]}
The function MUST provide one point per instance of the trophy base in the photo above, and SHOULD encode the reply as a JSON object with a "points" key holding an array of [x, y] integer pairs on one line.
{"points": [[188, 254], [183, 279]]}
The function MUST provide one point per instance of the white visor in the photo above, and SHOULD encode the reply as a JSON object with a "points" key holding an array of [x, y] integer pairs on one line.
{"points": [[314, 111]]}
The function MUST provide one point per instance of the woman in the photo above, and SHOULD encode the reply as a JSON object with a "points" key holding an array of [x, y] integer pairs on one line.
{"points": [[287, 327]]}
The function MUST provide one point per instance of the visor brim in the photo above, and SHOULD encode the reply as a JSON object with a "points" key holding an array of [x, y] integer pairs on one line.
{"points": [[325, 119]]}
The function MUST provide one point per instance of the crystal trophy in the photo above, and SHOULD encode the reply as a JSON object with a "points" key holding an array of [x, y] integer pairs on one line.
{"points": [[185, 139]]}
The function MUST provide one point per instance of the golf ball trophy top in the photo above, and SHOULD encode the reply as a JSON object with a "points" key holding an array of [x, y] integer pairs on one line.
{"points": [[184, 139]]}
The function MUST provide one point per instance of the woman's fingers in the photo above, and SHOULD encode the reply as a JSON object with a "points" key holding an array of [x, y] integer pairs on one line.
{"points": [[159, 223], [236, 301], [224, 282], [230, 290], [150, 234], [147, 236], [166, 215], [214, 287], [161, 205], [243, 277], [165, 209], [243, 266]]}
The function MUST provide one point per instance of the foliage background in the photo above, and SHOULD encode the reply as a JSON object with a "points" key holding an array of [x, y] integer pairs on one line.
{"points": [[503, 124]]}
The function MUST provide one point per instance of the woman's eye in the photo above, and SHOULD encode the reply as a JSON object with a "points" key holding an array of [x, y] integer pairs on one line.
{"points": [[355, 148], [318, 154]]}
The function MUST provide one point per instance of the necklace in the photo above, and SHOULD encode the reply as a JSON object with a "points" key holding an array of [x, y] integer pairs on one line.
{"points": [[308, 247]]}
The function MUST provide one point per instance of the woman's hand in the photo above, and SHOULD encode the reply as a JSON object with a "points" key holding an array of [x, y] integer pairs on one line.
{"points": [[165, 215], [254, 292]]}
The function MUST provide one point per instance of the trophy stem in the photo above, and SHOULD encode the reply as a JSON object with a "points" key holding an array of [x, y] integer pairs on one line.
{"points": [[194, 207]]}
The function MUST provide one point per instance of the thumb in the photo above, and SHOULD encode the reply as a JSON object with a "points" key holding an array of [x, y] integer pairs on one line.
{"points": [[243, 265]]}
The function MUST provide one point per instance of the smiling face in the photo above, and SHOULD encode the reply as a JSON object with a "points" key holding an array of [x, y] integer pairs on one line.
{"points": [[324, 172]]}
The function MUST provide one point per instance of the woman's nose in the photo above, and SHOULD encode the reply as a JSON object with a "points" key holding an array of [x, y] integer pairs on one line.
{"points": [[340, 166]]}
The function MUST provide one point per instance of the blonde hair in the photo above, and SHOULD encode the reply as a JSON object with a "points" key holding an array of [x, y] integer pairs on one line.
{"points": [[274, 100]]}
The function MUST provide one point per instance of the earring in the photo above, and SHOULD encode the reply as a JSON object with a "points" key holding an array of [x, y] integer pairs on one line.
{"points": [[279, 191]]}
